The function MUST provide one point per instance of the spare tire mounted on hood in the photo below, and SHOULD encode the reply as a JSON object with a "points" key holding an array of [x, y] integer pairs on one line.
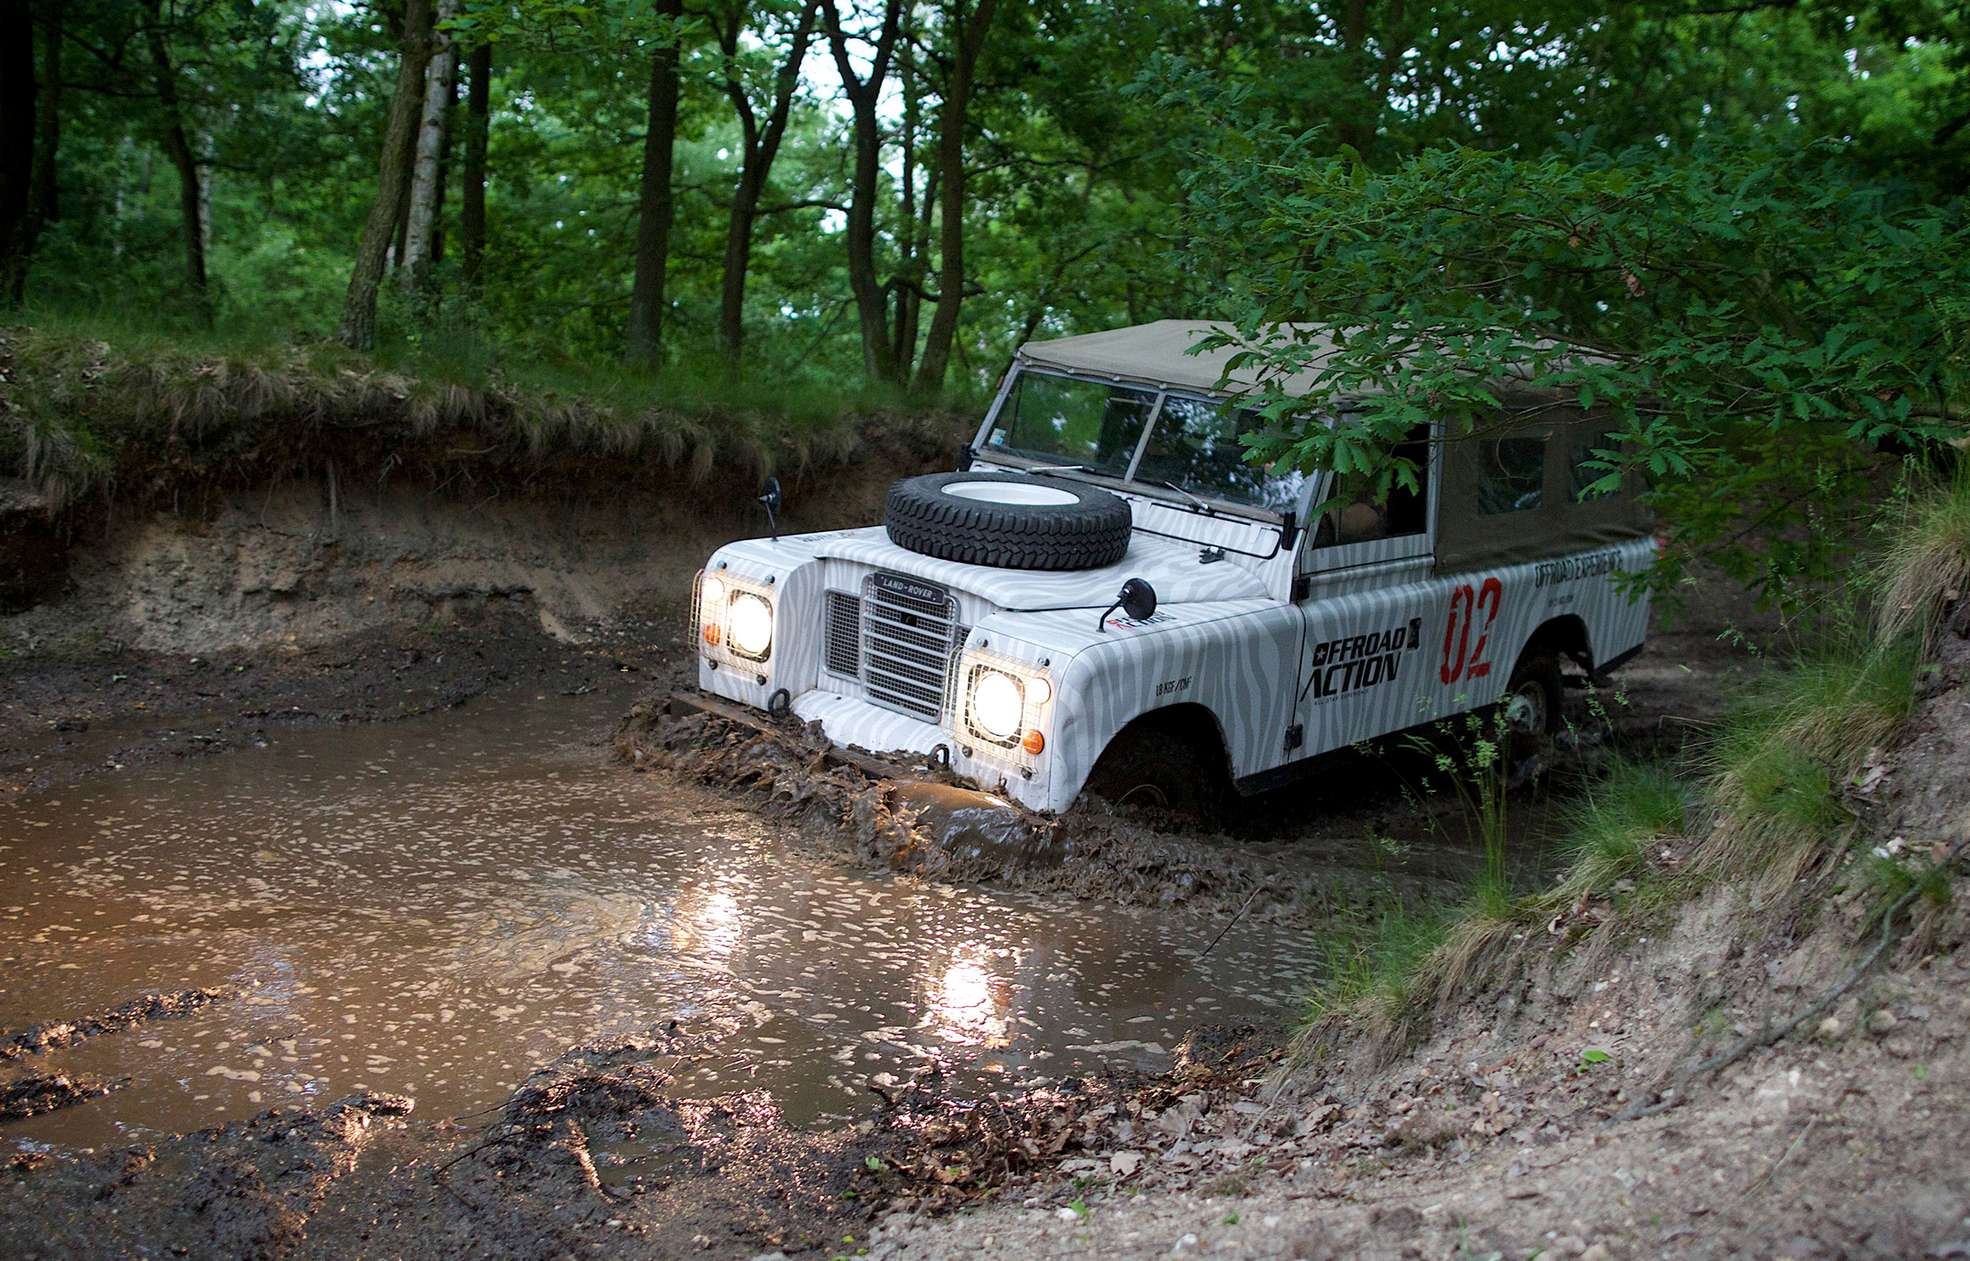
{"points": [[1009, 520]]}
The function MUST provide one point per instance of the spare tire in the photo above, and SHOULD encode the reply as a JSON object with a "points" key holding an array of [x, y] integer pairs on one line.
{"points": [[1009, 520]]}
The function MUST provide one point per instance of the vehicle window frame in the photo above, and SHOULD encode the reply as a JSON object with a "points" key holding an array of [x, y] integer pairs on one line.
{"points": [[982, 450], [1318, 560]]}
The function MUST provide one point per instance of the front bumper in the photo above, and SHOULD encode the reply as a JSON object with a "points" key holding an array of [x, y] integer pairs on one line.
{"points": [[854, 723]]}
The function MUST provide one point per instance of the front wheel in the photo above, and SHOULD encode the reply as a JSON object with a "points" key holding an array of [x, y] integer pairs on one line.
{"points": [[1153, 766]]}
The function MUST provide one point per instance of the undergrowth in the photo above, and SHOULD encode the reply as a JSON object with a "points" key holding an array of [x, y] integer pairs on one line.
{"points": [[1764, 801], [87, 400]]}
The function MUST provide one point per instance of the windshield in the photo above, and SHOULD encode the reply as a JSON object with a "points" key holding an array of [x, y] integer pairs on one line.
{"points": [[1098, 426], [1059, 420], [1196, 446]]}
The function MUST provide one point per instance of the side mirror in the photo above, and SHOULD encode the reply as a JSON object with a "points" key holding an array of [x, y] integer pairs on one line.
{"points": [[770, 497], [1137, 600]]}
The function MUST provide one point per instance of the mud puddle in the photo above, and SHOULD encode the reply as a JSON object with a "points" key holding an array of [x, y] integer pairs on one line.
{"points": [[433, 908]]}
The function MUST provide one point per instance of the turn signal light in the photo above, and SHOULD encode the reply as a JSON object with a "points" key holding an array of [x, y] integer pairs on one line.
{"points": [[1033, 743], [711, 633]]}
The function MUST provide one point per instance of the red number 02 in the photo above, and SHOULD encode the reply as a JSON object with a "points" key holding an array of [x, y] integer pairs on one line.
{"points": [[1464, 659]]}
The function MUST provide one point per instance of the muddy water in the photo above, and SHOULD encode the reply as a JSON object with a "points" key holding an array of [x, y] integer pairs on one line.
{"points": [[434, 907]]}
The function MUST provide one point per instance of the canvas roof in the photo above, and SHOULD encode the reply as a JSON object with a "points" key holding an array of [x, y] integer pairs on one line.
{"points": [[1155, 353]]}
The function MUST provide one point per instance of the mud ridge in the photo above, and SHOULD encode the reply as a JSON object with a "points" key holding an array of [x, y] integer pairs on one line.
{"points": [[1087, 854], [49, 1092], [42, 1038], [595, 1154]]}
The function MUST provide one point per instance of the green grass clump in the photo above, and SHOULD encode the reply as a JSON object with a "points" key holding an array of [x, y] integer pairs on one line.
{"points": [[1927, 560], [1372, 964], [1611, 829], [1778, 759]]}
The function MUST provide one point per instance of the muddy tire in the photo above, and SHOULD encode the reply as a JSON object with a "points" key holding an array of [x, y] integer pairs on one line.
{"points": [[1008, 520], [1530, 710], [1152, 765]]}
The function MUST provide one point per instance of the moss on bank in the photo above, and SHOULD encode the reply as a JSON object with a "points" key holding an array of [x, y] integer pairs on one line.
{"points": [[90, 406]]}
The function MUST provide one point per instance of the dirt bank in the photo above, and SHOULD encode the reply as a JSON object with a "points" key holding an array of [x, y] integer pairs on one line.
{"points": [[340, 597], [1617, 1088]]}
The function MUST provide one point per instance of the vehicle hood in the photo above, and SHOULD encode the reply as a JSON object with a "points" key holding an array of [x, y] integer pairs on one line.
{"points": [[1173, 568]]}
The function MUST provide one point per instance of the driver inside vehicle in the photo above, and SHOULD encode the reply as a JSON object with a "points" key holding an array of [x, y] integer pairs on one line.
{"points": [[1357, 515]]}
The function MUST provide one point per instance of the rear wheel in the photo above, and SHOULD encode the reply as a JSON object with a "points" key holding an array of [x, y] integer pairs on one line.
{"points": [[1531, 708], [1152, 765]]}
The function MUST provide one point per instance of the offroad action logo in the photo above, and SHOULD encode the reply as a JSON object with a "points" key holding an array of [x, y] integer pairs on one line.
{"points": [[1354, 662]]}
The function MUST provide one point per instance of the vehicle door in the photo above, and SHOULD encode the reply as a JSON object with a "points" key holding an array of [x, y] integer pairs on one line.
{"points": [[1362, 584]]}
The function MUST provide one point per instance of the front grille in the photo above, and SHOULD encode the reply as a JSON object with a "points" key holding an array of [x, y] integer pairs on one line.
{"points": [[844, 648], [909, 636]]}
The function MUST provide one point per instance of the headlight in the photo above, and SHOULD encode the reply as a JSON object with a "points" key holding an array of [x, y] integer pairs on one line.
{"points": [[998, 703], [749, 625], [711, 598]]}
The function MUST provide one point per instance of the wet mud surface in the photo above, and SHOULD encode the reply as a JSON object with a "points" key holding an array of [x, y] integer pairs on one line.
{"points": [[433, 908], [77, 715]]}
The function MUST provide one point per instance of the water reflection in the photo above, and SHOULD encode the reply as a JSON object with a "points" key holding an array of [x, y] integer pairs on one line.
{"points": [[968, 1005], [711, 920], [435, 907]]}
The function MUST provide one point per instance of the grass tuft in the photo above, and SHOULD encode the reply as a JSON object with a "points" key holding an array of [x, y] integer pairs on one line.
{"points": [[1610, 830], [1776, 764], [1927, 560]]}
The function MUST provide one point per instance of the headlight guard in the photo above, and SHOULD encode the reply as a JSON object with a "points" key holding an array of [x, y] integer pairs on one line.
{"points": [[1002, 707], [733, 619]]}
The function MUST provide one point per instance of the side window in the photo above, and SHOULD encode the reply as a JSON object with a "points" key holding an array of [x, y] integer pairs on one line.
{"points": [[1581, 462], [1356, 517], [1511, 474]]}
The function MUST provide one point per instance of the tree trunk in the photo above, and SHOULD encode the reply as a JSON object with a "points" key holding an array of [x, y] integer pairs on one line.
{"points": [[44, 188], [414, 266], [1356, 131], [969, 36], [643, 337], [472, 207], [17, 157], [756, 164], [909, 293], [878, 354], [358, 328], [177, 147]]}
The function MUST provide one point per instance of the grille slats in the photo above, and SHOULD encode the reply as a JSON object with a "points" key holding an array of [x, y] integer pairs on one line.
{"points": [[909, 642], [844, 646]]}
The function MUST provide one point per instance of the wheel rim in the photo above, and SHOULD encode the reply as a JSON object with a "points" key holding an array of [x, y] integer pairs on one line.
{"points": [[1525, 710], [1144, 794]]}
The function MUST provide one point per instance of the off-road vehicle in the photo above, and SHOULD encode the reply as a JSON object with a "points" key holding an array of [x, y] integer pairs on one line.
{"points": [[1107, 596]]}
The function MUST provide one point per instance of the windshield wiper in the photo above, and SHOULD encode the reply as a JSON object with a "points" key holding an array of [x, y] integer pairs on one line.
{"points": [[1197, 503], [1066, 468]]}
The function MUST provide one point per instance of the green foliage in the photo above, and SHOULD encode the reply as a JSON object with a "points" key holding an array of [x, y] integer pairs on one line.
{"points": [[1724, 308]]}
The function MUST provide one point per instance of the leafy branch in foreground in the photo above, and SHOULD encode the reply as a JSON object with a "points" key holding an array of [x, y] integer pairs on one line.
{"points": [[1753, 326]]}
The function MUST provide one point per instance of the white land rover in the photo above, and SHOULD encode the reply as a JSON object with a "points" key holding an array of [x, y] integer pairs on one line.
{"points": [[1108, 597]]}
